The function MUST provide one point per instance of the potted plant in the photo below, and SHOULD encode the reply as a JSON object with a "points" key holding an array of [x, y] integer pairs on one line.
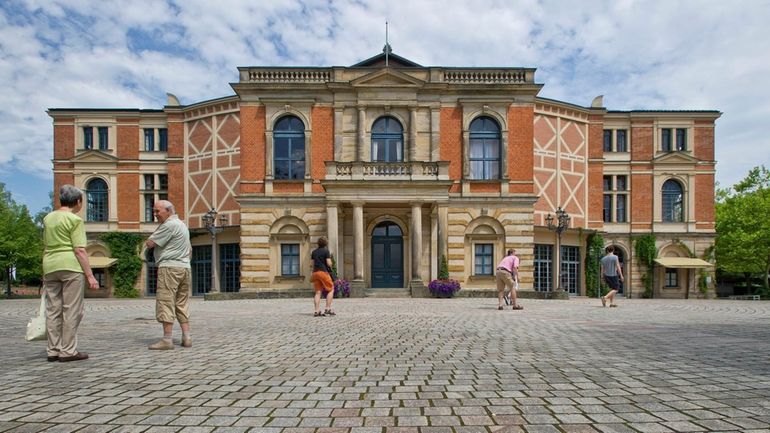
{"points": [[341, 288], [443, 286]]}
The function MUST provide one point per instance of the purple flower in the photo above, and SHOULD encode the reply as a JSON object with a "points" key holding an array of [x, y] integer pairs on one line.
{"points": [[341, 289], [443, 288]]}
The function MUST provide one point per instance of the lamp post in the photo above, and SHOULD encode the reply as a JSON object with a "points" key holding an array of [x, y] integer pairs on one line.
{"points": [[561, 224], [210, 222]]}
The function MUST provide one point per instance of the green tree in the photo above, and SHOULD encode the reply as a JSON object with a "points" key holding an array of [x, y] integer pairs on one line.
{"points": [[21, 246], [743, 226]]}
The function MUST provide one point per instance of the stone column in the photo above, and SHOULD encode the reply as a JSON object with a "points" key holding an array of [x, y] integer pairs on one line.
{"points": [[358, 241], [416, 237], [443, 223], [412, 133], [333, 231], [361, 133], [435, 121]]}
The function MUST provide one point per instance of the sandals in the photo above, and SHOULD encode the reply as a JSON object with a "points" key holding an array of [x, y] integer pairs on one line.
{"points": [[318, 314], [500, 307], [613, 305], [517, 307], [329, 313]]}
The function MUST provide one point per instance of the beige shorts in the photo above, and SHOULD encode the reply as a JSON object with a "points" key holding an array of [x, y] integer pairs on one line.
{"points": [[172, 298], [504, 280]]}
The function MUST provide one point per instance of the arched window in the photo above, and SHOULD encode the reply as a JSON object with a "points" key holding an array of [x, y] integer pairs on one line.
{"points": [[96, 200], [673, 208], [387, 140], [484, 148], [289, 148]]}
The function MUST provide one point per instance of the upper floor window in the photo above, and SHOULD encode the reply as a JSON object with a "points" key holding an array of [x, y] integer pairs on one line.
{"points": [[96, 197], [673, 201], [484, 148], [103, 138], [673, 139], [155, 189], [289, 148], [149, 139], [387, 140], [88, 137], [615, 140], [615, 198], [163, 139]]}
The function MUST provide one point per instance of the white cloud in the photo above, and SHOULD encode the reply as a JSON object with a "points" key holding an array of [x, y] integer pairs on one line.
{"points": [[640, 54]]}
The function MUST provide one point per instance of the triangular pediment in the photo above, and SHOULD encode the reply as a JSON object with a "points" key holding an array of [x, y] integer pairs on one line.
{"points": [[387, 78], [93, 156], [675, 158]]}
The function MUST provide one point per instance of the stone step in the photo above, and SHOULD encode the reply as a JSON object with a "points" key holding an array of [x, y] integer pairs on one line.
{"points": [[388, 293]]}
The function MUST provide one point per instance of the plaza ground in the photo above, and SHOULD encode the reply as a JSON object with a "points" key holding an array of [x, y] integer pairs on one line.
{"points": [[398, 366]]}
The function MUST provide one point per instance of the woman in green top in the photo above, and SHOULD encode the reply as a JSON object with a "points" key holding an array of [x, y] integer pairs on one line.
{"points": [[65, 261]]}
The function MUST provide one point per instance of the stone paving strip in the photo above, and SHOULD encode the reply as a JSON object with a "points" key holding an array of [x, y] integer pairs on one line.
{"points": [[398, 366]]}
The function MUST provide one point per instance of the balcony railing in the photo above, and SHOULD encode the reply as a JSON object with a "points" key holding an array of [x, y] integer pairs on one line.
{"points": [[489, 76], [285, 75], [411, 170]]}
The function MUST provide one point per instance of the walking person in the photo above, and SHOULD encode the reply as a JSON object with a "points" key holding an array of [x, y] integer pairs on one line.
{"points": [[507, 296], [322, 278], [172, 250], [506, 276], [612, 275], [65, 271]]}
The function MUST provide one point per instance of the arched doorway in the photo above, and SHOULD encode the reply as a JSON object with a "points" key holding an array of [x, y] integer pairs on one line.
{"points": [[387, 256], [622, 259]]}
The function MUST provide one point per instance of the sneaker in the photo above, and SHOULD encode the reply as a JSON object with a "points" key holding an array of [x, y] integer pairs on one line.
{"points": [[186, 342], [162, 344]]}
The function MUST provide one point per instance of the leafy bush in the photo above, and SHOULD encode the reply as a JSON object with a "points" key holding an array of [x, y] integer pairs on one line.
{"points": [[444, 288], [124, 247]]}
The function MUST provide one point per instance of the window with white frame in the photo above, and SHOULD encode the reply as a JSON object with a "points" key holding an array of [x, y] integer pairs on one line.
{"points": [[672, 278], [615, 198], [615, 140], [88, 137], [543, 268], [673, 139], [672, 196], [289, 148], [290, 260], [483, 259], [155, 139], [155, 188], [387, 140], [570, 269], [485, 144], [96, 200]]}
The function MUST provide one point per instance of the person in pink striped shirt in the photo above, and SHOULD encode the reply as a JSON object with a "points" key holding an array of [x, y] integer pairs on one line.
{"points": [[507, 278]]}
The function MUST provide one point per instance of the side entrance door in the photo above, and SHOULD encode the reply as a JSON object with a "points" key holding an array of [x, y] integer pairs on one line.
{"points": [[387, 256]]}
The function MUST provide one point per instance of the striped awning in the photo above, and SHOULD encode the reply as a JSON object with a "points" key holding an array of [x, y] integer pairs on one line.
{"points": [[683, 263], [101, 262]]}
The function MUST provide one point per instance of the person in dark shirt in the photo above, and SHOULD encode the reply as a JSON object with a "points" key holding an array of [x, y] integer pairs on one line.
{"points": [[322, 277]]}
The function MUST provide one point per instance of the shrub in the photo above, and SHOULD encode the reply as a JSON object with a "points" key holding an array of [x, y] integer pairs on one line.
{"points": [[444, 288]]}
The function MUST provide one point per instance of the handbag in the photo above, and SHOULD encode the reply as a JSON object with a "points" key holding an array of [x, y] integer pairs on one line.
{"points": [[36, 329]]}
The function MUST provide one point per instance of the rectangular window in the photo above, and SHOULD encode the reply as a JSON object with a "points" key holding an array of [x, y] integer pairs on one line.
{"points": [[99, 275], [608, 140], [200, 267], [149, 182], [681, 139], [483, 259], [163, 139], [290, 260], [620, 183], [163, 182], [103, 142], [88, 137], [620, 142], [149, 202], [152, 274], [149, 139], [607, 183], [543, 265], [672, 278], [608, 208], [570, 269], [620, 208], [665, 140], [230, 267]]}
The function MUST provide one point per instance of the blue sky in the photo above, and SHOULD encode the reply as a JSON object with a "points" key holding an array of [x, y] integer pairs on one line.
{"points": [[652, 54]]}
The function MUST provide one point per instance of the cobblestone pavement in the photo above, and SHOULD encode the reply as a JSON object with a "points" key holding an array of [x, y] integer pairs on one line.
{"points": [[398, 366]]}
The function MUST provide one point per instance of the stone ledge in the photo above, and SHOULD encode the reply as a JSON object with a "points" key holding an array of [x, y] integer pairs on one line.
{"points": [[523, 294]]}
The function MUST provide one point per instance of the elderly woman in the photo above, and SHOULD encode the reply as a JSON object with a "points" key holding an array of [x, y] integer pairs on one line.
{"points": [[65, 269]]}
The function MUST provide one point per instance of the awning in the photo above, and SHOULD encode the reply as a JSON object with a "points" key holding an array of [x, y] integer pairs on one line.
{"points": [[683, 263], [101, 262]]}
